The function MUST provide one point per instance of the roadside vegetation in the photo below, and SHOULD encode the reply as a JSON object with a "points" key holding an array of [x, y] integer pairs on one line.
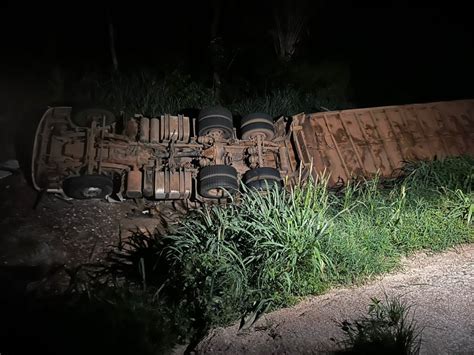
{"points": [[221, 264], [152, 93]]}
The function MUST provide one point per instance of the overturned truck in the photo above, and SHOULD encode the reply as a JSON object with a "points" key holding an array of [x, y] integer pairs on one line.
{"points": [[89, 154]]}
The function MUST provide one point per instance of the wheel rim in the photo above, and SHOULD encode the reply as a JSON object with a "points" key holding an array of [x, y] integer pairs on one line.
{"points": [[266, 134], [216, 193], [92, 191], [217, 134]]}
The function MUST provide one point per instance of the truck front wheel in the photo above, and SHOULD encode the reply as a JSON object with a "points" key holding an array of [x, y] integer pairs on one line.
{"points": [[88, 186]]}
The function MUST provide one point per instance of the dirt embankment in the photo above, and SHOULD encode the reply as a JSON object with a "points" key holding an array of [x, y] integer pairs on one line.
{"points": [[440, 287]]}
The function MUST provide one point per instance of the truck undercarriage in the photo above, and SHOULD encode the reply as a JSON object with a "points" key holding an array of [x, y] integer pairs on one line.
{"points": [[89, 154]]}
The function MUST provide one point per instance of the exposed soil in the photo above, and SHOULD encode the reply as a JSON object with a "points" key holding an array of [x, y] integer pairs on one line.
{"points": [[440, 287], [44, 239]]}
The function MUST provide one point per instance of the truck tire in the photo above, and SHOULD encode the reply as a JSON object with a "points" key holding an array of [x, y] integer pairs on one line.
{"points": [[217, 181], [263, 178], [88, 186], [255, 124], [215, 122], [83, 117]]}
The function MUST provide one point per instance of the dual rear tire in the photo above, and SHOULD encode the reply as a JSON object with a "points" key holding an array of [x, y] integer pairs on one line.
{"points": [[263, 179], [219, 181], [256, 124], [217, 122]]}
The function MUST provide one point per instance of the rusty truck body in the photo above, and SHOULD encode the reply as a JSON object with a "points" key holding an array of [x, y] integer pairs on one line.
{"points": [[88, 154]]}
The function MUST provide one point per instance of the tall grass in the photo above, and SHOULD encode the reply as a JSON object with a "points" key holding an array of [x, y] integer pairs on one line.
{"points": [[268, 250], [287, 100], [151, 94], [440, 174], [265, 249]]}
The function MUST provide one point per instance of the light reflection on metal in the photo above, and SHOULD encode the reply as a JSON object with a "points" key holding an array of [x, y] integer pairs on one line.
{"points": [[363, 142]]}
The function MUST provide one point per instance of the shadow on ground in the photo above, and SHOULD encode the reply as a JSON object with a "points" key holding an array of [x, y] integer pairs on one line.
{"points": [[90, 316]]}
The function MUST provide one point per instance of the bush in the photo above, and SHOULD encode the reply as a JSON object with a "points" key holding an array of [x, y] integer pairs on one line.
{"points": [[389, 328], [288, 101]]}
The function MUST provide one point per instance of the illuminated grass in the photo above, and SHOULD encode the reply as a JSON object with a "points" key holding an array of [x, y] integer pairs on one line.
{"points": [[220, 263], [270, 249]]}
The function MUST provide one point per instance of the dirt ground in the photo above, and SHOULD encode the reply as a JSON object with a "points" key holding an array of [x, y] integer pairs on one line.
{"points": [[440, 287], [48, 238]]}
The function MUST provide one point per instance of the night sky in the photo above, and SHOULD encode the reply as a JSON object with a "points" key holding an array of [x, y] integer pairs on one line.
{"points": [[397, 52]]}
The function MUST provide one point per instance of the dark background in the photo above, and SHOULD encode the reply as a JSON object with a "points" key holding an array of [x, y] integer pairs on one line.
{"points": [[397, 52]]}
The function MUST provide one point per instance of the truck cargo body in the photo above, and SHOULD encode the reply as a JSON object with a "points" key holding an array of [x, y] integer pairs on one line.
{"points": [[363, 142]]}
